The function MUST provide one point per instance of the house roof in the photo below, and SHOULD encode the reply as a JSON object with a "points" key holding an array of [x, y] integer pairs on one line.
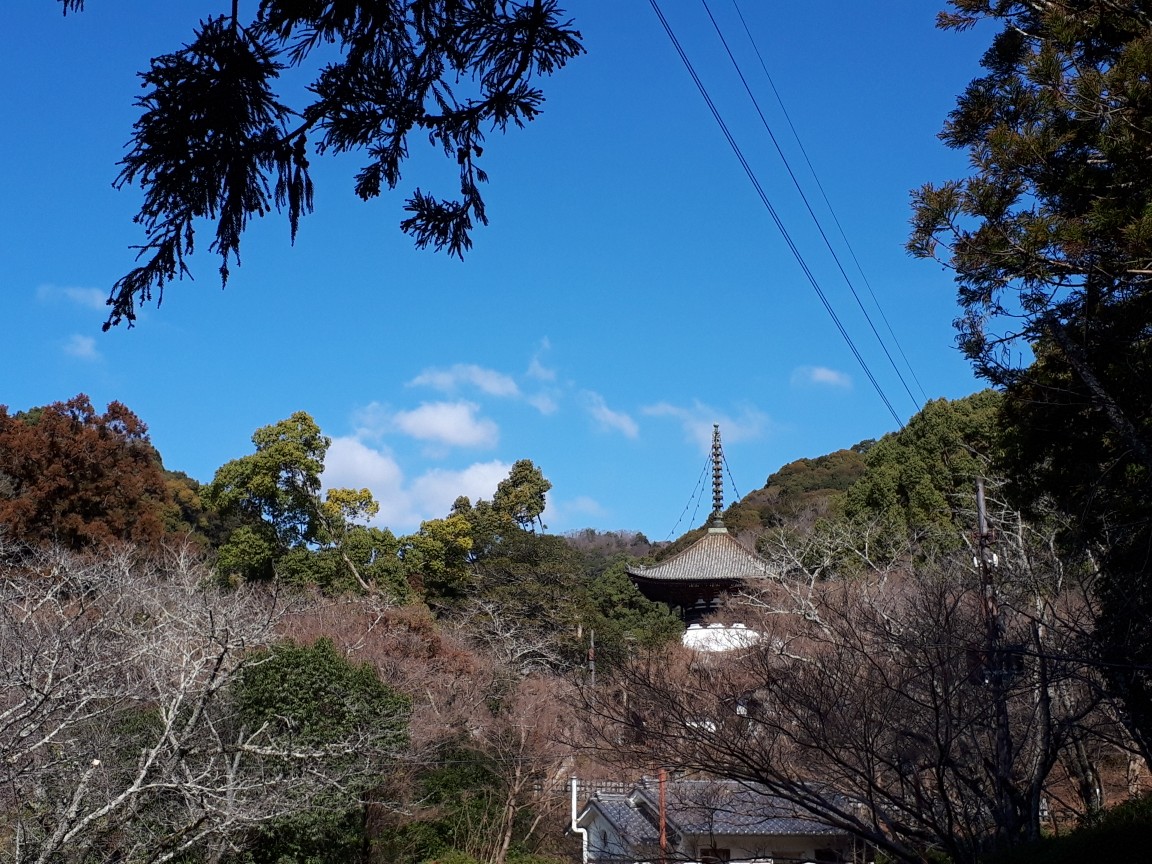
{"points": [[628, 821], [701, 807], [715, 557], [731, 807]]}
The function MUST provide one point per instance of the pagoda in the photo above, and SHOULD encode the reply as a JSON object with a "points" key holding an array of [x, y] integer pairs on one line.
{"points": [[694, 580]]}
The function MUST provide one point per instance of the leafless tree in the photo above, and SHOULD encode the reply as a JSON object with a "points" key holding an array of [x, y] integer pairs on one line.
{"points": [[518, 644], [120, 736], [874, 700], [474, 699]]}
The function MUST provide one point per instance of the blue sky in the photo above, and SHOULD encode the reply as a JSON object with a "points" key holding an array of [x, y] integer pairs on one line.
{"points": [[630, 291]]}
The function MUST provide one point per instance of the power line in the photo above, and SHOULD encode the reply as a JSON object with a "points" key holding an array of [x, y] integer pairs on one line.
{"points": [[695, 498], [827, 202], [772, 211], [732, 480], [804, 198]]}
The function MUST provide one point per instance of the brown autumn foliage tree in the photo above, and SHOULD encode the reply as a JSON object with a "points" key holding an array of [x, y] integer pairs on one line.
{"points": [[486, 766], [76, 478]]}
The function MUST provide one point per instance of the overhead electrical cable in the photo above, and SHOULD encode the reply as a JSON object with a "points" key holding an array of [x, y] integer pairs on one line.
{"points": [[731, 479], [772, 211], [807, 205], [694, 498], [836, 219]]}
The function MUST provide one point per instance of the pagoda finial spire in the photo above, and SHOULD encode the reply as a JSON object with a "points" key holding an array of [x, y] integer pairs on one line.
{"points": [[717, 473]]}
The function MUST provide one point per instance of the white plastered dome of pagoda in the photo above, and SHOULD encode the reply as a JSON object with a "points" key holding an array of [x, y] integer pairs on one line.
{"points": [[695, 580]]}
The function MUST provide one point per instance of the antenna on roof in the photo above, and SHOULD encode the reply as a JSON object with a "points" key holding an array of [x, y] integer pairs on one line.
{"points": [[717, 473]]}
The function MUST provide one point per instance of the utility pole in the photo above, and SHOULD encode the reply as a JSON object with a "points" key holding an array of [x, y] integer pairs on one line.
{"points": [[592, 656], [987, 561], [994, 668], [663, 819]]}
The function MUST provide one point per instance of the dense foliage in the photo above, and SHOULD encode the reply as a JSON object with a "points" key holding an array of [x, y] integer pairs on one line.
{"points": [[1119, 834], [149, 716], [73, 476], [471, 620], [1050, 239], [314, 701], [923, 478]]}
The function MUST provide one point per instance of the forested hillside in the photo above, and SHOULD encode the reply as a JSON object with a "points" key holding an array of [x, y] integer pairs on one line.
{"points": [[927, 650], [250, 668]]}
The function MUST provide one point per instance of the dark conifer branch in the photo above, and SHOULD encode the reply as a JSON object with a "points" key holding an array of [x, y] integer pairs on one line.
{"points": [[216, 142]]}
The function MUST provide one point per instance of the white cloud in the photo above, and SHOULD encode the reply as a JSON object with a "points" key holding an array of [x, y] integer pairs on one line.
{"points": [[88, 298], [820, 376], [351, 463], [608, 419], [460, 376], [373, 421], [435, 491], [697, 421], [405, 504], [82, 348], [453, 423], [540, 372], [536, 368], [545, 403], [448, 380]]}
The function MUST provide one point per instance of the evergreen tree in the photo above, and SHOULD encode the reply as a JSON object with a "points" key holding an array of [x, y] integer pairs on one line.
{"points": [[1051, 243]]}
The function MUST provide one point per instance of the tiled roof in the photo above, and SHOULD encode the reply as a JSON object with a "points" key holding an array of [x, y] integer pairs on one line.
{"points": [[729, 807], [715, 556], [703, 807], [627, 820]]}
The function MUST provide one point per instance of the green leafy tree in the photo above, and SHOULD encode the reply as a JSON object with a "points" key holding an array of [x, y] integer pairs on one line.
{"points": [[487, 525], [437, 559], [312, 696], [624, 620], [521, 495], [272, 495], [461, 795], [923, 478], [367, 559], [1050, 239], [313, 701], [532, 577], [215, 141], [278, 526], [360, 556], [516, 506], [1053, 231]]}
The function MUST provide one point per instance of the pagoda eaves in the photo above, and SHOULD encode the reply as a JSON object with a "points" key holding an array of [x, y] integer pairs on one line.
{"points": [[715, 557]]}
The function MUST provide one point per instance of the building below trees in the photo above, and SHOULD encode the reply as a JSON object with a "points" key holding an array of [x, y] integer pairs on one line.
{"points": [[708, 821]]}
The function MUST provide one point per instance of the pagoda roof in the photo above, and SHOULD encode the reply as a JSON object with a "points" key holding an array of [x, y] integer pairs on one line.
{"points": [[715, 557]]}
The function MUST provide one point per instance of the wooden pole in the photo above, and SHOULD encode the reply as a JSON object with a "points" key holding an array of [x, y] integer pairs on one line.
{"points": [[663, 821]]}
